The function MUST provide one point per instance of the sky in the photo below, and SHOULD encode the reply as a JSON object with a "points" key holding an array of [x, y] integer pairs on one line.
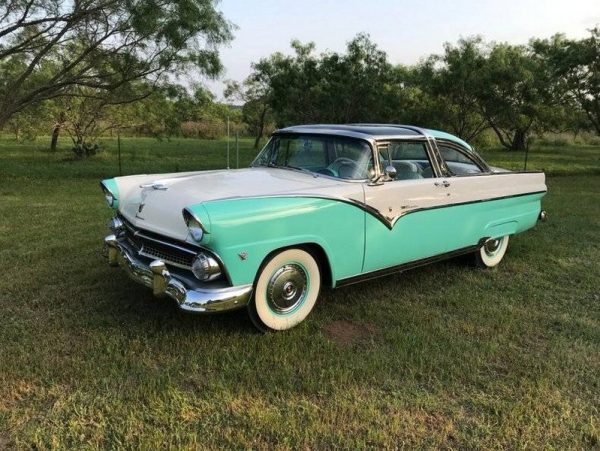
{"points": [[407, 30]]}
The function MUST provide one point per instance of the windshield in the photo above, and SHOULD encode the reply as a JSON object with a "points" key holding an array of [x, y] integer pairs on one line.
{"points": [[335, 156]]}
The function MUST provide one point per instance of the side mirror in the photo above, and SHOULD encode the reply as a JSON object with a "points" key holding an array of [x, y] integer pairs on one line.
{"points": [[391, 171]]}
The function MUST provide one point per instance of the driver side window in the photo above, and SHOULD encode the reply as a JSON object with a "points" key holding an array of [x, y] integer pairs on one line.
{"points": [[410, 159]]}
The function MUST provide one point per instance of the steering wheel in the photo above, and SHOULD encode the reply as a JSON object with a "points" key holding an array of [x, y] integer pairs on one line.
{"points": [[343, 162]]}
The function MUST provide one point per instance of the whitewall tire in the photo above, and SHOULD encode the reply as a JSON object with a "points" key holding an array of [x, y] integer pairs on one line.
{"points": [[492, 252], [285, 291]]}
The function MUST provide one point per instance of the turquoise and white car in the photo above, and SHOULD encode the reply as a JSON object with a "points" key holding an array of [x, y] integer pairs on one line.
{"points": [[322, 205]]}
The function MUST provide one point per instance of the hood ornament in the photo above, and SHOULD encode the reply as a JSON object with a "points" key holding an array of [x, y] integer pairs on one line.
{"points": [[145, 187], [155, 185]]}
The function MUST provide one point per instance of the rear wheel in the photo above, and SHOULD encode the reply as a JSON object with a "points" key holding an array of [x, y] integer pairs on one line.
{"points": [[286, 290], [492, 252]]}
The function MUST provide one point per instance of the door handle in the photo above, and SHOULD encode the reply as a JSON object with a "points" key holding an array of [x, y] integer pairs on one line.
{"points": [[444, 183]]}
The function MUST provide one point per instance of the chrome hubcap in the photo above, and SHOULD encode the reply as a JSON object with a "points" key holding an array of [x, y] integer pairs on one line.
{"points": [[491, 246], [287, 288]]}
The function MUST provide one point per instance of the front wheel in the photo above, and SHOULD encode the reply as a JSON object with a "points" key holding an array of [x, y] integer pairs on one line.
{"points": [[286, 290], [492, 252]]}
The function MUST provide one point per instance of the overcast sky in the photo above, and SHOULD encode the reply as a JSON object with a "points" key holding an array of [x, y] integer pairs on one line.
{"points": [[406, 29]]}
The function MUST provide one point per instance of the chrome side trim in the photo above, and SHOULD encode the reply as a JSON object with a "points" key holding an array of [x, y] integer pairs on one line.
{"points": [[157, 276], [388, 222], [409, 265], [457, 204]]}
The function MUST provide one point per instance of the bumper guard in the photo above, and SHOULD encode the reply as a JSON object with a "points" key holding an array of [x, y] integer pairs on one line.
{"points": [[157, 276]]}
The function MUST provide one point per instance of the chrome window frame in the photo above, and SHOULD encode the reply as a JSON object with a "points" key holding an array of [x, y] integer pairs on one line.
{"points": [[439, 166], [371, 142], [430, 150], [474, 157]]}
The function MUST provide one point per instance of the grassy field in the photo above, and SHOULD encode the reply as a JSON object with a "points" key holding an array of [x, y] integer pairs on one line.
{"points": [[443, 356]]}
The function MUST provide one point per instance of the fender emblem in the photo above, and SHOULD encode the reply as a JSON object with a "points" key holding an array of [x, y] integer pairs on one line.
{"points": [[243, 256]]}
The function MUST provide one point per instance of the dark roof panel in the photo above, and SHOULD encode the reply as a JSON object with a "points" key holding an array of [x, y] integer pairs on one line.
{"points": [[373, 130]]}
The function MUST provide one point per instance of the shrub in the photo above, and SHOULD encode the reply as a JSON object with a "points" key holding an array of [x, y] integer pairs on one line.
{"points": [[83, 150]]}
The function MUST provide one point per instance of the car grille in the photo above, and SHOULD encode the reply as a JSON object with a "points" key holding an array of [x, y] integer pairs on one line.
{"points": [[155, 246]]}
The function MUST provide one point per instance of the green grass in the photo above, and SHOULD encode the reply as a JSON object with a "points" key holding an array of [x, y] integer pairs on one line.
{"points": [[454, 357], [563, 160]]}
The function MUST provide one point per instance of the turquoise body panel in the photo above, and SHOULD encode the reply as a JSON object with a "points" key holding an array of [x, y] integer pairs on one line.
{"points": [[255, 227], [243, 232], [435, 231], [111, 185], [449, 137]]}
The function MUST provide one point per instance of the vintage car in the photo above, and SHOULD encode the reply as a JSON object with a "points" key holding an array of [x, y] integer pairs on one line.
{"points": [[321, 205]]}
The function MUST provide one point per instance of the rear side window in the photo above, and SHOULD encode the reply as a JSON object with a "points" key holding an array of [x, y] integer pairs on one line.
{"points": [[458, 162]]}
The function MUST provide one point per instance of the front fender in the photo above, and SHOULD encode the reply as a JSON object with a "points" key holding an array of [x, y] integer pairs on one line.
{"points": [[244, 231]]}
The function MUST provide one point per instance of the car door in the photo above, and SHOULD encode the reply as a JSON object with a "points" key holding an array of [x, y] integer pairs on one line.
{"points": [[483, 203], [407, 226]]}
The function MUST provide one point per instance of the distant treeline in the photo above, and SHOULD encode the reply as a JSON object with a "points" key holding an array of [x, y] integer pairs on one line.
{"points": [[66, 69], [515, 92]]}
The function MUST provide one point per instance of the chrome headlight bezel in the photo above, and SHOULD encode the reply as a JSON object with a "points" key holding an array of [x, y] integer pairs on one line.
{"points": [[205, 267], [111, 198], [195, 227]]}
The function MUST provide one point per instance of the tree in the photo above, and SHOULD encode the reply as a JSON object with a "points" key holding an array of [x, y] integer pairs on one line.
{"points": [[452, 81], [255, 93], [87, 116], [357, 86], [515, 95], [576, 67], [53, 48]]}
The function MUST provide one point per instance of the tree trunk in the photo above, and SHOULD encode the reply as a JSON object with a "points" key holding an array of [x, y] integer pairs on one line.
{"points": [[54, 140], [257, 139], [261, 127], [519, 141]]}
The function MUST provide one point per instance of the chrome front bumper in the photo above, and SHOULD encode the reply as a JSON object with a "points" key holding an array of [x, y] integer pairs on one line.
{"points": [[157, 276]]}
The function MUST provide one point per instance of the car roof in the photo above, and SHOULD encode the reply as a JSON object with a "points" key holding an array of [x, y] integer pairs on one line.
{"points": [[373, 131]]}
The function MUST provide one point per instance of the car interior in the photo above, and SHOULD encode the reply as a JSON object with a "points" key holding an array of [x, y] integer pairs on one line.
{"points": [[409, 158], [350, 159]]}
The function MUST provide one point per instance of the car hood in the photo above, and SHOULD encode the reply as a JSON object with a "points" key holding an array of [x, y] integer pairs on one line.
{"points": [[155, 202]]}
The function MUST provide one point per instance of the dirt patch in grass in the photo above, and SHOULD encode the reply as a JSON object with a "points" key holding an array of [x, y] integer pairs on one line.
{"points": [[348, 333]]}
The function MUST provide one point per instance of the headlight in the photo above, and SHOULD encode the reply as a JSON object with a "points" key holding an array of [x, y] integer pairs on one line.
{"points": [[111, 192], [194, 226], [195, 229], [205, 267], [110, 199]]}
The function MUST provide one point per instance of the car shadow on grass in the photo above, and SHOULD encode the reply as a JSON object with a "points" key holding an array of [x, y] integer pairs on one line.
{"points": [[126, 304]]}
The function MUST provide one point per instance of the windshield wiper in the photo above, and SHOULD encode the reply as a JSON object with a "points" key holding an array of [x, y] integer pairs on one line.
{"points": [[287, 166], [298, 168]]}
